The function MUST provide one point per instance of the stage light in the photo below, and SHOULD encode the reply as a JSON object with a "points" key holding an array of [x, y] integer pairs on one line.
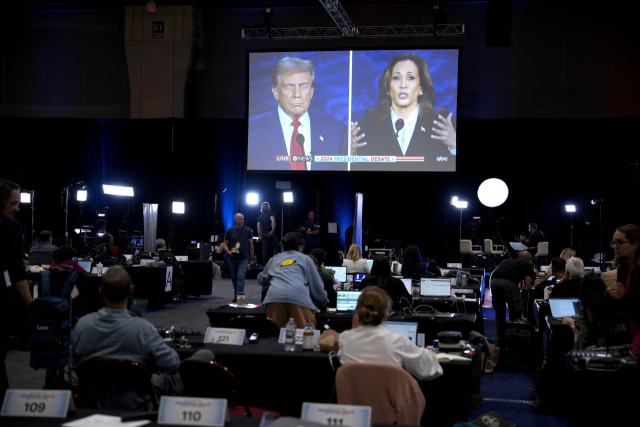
{"points": [[25, 197], [252, 198], [493, 192], [288, 196], [178, 207], [81, 196], [453, 200], [117, 190], [570, 208], [596, 201], [460, 204]]}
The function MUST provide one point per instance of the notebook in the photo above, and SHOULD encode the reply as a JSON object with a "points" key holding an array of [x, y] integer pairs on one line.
{"points": [[340, 273], [440, 287], [347, 300], [408, 329], [561, 307]]}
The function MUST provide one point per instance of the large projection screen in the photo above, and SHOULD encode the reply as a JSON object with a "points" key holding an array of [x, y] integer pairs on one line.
{"points": [[353, 110]]}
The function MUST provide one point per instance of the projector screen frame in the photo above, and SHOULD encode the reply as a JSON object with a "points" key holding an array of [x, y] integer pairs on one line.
{"points": [[310, 53]]}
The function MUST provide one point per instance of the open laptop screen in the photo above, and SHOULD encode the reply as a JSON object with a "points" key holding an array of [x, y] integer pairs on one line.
{"points": [[370, 263], [407, 284], [359, 277], [340, 273], [347, 300], [86, 265], [561, 307], [408, 329], [435, 287]]}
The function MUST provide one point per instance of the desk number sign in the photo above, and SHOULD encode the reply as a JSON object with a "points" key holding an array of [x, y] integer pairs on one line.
{"points": [[192, 411], [337, 415], [36, 403], [225, 336]]}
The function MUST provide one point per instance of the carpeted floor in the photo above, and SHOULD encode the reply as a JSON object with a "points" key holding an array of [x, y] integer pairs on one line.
{"points": [[503, 391]]}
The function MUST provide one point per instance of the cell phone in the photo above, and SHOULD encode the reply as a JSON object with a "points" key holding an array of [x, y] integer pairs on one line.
{"points": [[254, 338]]}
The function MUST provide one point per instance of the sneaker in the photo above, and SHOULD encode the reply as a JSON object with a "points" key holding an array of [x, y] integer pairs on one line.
{"points": [[235, 298]]}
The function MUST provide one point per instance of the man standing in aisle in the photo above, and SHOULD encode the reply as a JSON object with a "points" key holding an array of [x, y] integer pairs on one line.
{"points": [[505, 290], [267, 233], [238, 243], [12, 272], [310, 230]]}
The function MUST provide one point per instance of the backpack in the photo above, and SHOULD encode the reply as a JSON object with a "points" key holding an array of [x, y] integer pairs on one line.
{"points": [[50, 324]]}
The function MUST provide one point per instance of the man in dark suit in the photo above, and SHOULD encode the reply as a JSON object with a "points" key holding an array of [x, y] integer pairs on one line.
{"points": [[292, 131], [536, 237]]}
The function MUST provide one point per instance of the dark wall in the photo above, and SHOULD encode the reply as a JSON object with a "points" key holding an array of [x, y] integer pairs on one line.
{"points": [[565, 61]]}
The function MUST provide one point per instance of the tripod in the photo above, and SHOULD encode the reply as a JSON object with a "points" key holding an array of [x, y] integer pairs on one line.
{"points": [[498, 237]]}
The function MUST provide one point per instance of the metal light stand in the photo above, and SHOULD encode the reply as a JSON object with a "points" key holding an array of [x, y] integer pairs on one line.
{"points": [[65, 192], [33, 228], [500, 239], [603, 264], [571, 223]]}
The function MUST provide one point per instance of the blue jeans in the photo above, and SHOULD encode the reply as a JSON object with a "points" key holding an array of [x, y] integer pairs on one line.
{"points": [[238, 267]]}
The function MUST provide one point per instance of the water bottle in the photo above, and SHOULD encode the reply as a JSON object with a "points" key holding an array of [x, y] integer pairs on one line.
{"points": [[459, 278], [99, 268], [290, 340], [308, 338]]}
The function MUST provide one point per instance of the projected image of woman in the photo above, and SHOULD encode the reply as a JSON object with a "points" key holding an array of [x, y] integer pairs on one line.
{"points": [[405, 122]]}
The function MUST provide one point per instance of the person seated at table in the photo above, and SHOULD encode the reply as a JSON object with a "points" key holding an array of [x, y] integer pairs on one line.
{"points": [[354, 261], [65, 255], [570, 285], [332, 295], [320, 255], [380, 276], [412, 262], [40, 253], [114, 332], [163, 252], [556, 270], [601, 323], [369, 341], [295, 287], [566, 255]]}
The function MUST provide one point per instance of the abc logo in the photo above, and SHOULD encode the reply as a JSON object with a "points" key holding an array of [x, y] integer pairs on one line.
{"points": [[442, 159]]}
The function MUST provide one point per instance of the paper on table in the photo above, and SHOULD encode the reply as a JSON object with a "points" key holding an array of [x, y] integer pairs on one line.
{"points": [[446, 357], [104, 420]]}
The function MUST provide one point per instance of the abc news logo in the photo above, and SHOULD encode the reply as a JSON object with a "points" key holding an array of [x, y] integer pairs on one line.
{"points": [[302, 158], [442, 159]]}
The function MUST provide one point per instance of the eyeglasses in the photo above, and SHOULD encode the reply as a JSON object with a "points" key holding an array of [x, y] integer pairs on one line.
{"points": [[618, 243]]}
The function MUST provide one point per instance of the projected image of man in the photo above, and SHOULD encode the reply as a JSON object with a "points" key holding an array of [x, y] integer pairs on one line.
{"points": [[279, 137]]}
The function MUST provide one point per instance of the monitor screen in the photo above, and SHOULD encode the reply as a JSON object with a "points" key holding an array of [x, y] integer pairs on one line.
{"points": [[347, 300], [408, 329], [359, 277], [435, 287], [407, 284], [340, 273], [561, 307], [86, 265], [301, 105], [370, 264]]}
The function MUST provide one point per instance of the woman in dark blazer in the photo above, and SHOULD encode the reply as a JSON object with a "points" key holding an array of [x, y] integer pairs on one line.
{"points": [[405, 124]]}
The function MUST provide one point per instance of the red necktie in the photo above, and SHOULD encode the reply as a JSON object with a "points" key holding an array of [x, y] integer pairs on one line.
{"points": [[296, 149]]}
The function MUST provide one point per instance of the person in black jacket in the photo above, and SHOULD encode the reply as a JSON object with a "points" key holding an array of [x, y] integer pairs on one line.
{"points": [[405, 122], [381, 276], [412, 262], [570, 286], [536, 237]]}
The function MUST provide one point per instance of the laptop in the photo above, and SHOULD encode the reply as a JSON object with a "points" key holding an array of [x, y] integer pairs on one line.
{"points": [[435, 287], [408, 329], [561, 307], [370, 264], [340, 273], [86, 265], [407, 284], [347, 301]]}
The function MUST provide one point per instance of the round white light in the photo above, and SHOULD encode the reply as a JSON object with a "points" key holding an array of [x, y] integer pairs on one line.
{"points": [[493, 192]]}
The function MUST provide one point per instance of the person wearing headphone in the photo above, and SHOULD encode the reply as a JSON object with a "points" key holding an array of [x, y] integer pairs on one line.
{"points": [[267, 233]]}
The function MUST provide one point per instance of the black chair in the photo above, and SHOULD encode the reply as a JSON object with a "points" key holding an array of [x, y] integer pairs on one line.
{"points": [[211, 379], [427, 326], [263, 326], [338, 325], [120, 374]]}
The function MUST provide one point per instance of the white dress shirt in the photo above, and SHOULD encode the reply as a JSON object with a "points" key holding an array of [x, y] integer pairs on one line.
{"points": [[377, 344], [287, 130]]}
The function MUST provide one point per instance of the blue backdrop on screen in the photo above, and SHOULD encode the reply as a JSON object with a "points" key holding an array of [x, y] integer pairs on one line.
{"points": [[331, 93], [369, 65]]}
